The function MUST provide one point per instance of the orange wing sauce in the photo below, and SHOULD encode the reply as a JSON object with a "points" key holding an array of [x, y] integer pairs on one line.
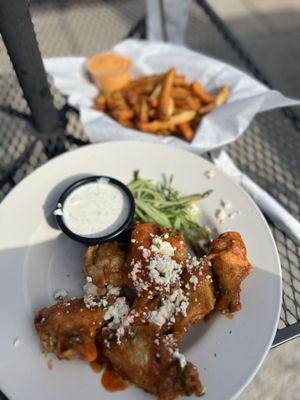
{"points": [[112, 381]]}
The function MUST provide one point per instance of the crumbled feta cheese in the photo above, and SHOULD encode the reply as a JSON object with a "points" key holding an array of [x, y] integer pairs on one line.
{"points": [[16, 342], [164, 271], [116, 312], [146, 253], [180, 357], [58, 211], [89, 279], [135, 270], [172, 305], [221, 215], [194, 280], [160, 316], [90, 289], [209, 174], [226, 204], [60, 295], [234, 214], [113, 291]]}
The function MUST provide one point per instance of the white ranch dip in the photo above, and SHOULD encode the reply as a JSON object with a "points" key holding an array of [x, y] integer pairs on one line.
{"points": [[95, 209]]}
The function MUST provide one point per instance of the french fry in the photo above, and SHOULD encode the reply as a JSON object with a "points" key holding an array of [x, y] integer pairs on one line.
{"points": [[143, 114], [152, 113], [180, 80], [117, 101], [206, 109], [123, 114], [193, 102], [186, 131], [143, 81], [156, 92], [179, 92], [154, 126], [98, 107], [100, 102], [222, 96], [184, 116], [126, 122], [171, 107], [165, 94], [154, 102], [132, 98], [200, 92], [158, 125]]}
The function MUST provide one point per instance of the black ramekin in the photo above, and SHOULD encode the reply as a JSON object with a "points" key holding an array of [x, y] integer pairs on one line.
{"points": [[100, 239]]}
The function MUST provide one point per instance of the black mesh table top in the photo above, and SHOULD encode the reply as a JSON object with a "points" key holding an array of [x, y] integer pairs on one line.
{"points": [[269, 151]]}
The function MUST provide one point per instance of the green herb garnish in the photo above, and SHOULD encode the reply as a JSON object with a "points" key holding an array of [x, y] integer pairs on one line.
{"points": [[163, 204]]}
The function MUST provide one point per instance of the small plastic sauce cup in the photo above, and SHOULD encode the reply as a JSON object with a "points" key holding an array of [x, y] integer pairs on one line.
{"points": [[109, 71]]}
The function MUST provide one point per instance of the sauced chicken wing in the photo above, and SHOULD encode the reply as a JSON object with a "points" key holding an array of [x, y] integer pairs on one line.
{"points": [[68, 329], [154, 261], [228, 256], [152, 361], [103, 263], [198, 288]]}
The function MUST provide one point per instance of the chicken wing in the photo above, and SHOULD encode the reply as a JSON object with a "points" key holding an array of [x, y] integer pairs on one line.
{"points": [[155, 260], [68, 329], [152, 361], [103, 264], [228, 256], [198, 289]]}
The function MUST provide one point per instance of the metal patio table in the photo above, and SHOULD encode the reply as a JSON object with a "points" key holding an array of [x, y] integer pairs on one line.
{"points": [[269, 151]]}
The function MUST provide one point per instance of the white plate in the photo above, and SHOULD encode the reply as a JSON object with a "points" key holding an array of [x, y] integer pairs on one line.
{"points": [[36, 259]]}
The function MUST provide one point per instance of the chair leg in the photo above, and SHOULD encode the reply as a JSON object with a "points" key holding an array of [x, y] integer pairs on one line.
{"points": [[19, 38]]}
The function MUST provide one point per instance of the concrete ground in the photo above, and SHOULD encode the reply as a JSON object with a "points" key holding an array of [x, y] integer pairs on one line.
{"points": [[270, 31]]}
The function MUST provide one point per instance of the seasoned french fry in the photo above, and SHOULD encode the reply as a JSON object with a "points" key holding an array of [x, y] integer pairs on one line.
{"points": [[185, 116], [123, 114], [222, 96], [132, 98], [186, 131], [177, 119], [155, 126], [152, 113], [179, 92], [200, 92], [165, 94], [180, 80], [100, 101], [116, 100], [154, 102], [193, 102], [156, 92], [127, 123], [206, 109], [171, 107], [143, 114], [143, 81]]}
